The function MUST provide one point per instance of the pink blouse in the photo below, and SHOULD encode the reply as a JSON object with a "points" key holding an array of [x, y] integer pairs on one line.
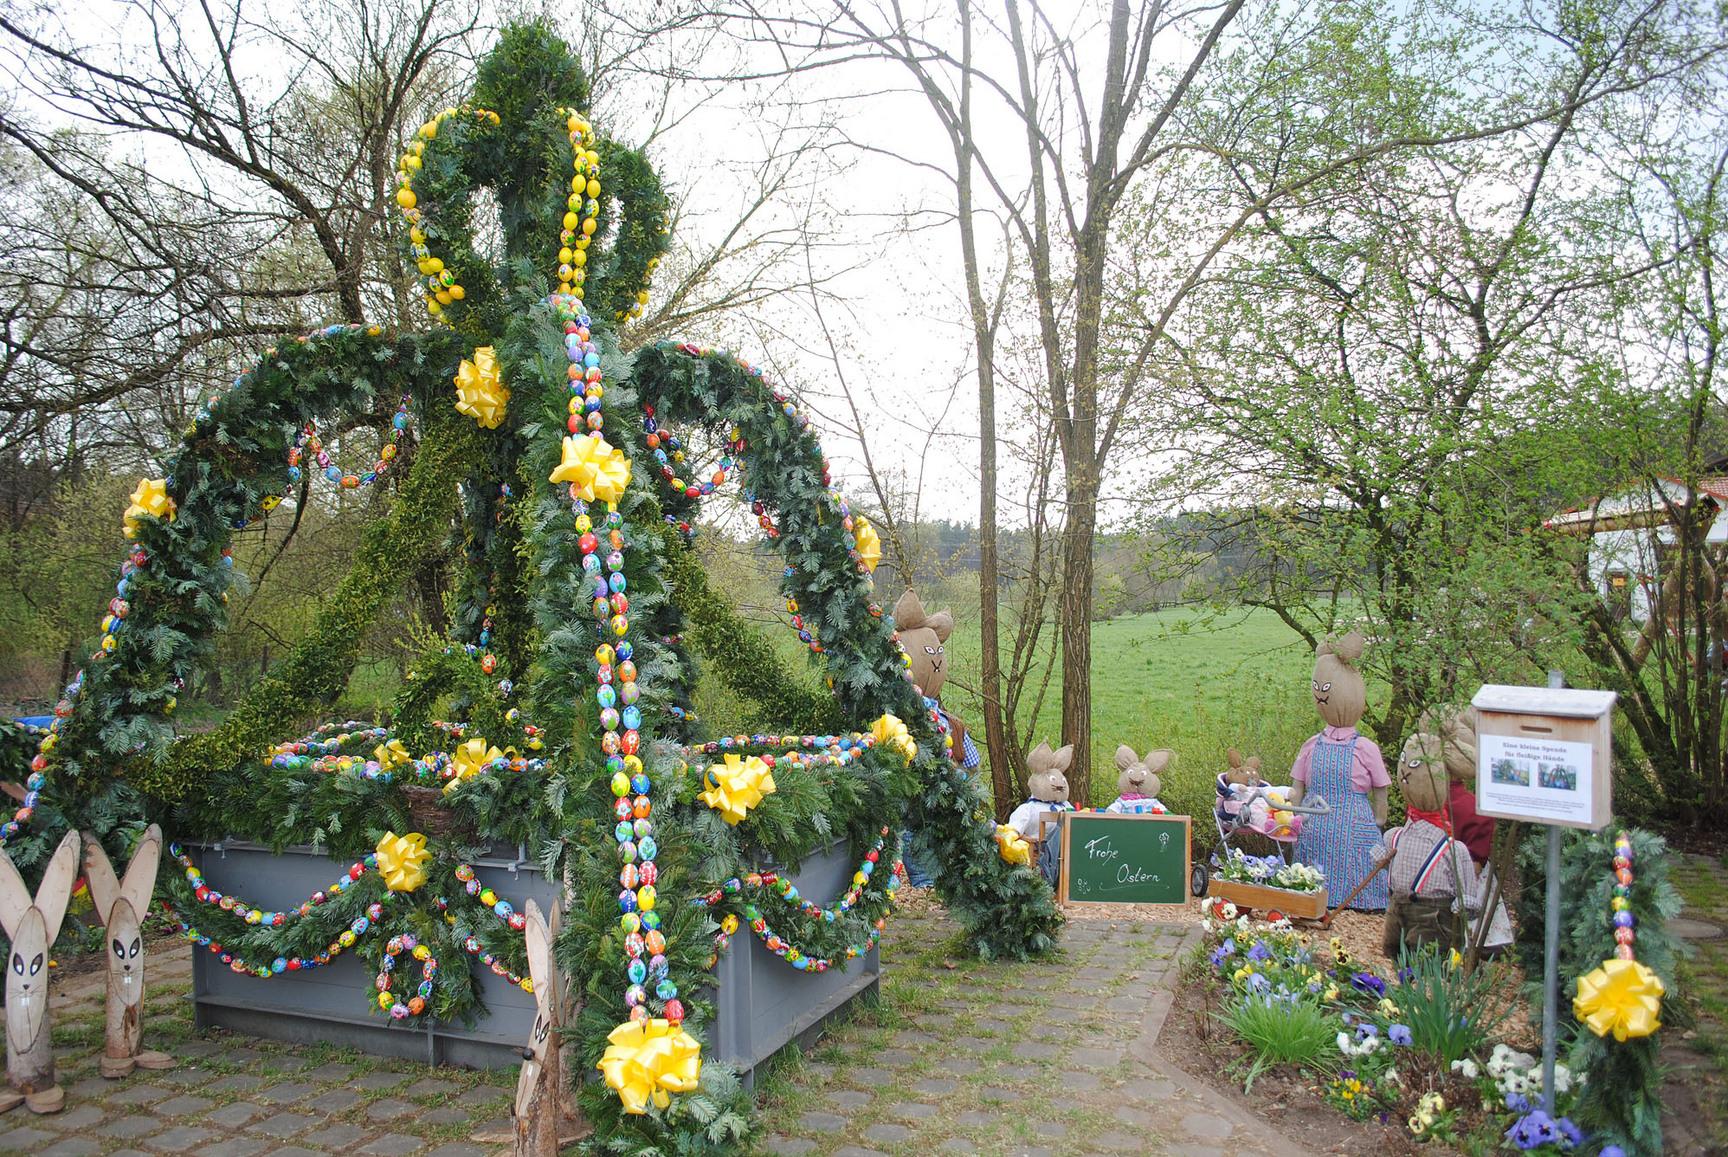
{"points": [[1370, 767]]}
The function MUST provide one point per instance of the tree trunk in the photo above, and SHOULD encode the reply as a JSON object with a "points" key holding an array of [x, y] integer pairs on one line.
{"points": [[1076, 617]]}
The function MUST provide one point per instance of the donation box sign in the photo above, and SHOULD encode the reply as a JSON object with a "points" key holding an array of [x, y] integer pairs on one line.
{"points": [[1542, 755]]}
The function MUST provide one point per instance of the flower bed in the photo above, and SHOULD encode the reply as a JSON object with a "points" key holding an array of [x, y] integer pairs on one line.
{"points": [[1417, 1048]]}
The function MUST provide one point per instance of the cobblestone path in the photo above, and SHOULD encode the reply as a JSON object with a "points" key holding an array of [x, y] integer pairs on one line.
{"points": [[1056, 1057]]}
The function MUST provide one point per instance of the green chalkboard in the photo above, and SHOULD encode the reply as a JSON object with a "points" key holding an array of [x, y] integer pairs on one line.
{"points": [[1124, 859]]}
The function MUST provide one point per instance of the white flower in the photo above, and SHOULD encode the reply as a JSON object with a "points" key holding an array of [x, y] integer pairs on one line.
{"points": [[1468, 1068], [1346, 1045], [1391, 1077], [1228, 911]]}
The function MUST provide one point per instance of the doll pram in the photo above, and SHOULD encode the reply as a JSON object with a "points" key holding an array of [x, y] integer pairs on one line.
{"points": [[1234, 825]]}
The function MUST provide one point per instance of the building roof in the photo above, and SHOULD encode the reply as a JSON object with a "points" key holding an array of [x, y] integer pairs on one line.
{"points": [[1654, 505]]}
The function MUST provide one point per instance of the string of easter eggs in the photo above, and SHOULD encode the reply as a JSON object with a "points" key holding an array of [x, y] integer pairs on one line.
{"points": [[308, 444], [441, 286], [349, 936], [787, 891], [1620, 905], [503, 911], [581, 207], [823, 750], [668, 452], [801, 960], [252, 913], [387, 999]]}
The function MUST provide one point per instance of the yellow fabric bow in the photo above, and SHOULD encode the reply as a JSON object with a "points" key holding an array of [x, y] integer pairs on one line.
{"points": [[470, 759], [650, 1060], [1014, 848], [480, 389], [150, 499], [402, 861], [736, 786], [869, 543], [599, 470], [391, 754], [1623, 997], [889, 731]]}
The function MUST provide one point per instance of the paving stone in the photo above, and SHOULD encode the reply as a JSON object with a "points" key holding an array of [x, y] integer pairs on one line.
{"points": [[334, 1101], [858, 1151], [899, 1057], [288, 1063], [1191, 1149], [1053, 1129], [846, 1099], [935, 1086], [912, 1111], [957, 1145], [24, 1138], [188, 1076], [819, 1122], [333, 1071], [197, 1048], [1093, 1057], [456, 1149], [141, 1095], [181, 1139], [243, 1057], [377, 1082], [788, 1146], [1205, 1125], [1136, 1115], [1000, 1094], [71, 1147], [1148, 1090], [234, 1147], [972, 1118], [445, 1115], [238, 1083], [441, 1086], [390, 1109], [1117, 1141], [184, 1106], [93, 1088], [294, 1151], [236, 1115], [75, 1118], [286, 1093], [393, 1145], [1037, 1051], [336, 1136], [125, 1128], [284, 1124], [870, 1078], [888, 1133]]}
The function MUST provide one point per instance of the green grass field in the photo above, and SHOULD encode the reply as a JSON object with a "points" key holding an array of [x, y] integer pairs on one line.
{"points": [[1190, 680]]}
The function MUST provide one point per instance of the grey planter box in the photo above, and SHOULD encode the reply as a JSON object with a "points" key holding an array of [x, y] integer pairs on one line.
{"points": [[762, 1003]]}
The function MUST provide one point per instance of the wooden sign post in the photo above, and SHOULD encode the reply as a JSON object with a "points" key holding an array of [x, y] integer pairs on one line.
{"points": [[1124, 859]]}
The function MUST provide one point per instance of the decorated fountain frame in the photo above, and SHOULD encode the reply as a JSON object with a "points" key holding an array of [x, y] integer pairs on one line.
{"points": [[578, 624]]}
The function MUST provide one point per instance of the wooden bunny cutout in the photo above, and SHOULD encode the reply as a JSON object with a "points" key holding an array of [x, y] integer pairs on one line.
{"points": [[33, 926], [121, 906], [542, 1120]]}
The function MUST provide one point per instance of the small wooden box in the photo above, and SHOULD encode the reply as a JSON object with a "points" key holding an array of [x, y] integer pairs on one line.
{"points": [[1543, 755], [1304, 905]]}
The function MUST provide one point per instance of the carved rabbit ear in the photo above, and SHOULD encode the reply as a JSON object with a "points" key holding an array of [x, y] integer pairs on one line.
{"points": [[1347, 649], [104, 887], [1157, 761], [14, 897], [1125, 757], [1040, 759], [55, 891], [908, 612], [1062, 757], [140, 879], [1235, 757], [538, 936], [1252, 763], [942, 623]]}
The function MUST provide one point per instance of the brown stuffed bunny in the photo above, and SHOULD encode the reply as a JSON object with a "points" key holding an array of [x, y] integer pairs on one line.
{"points": [[923, 638], [1456, 729], [1138, 786], [1429, 870], [1346, 769], [1046, 787]]}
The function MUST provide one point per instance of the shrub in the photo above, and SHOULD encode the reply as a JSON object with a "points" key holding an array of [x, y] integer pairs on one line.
{"points": [[1281, 1031], [1451, 1011]]}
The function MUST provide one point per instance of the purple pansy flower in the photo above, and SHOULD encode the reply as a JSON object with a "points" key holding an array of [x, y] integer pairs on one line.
{"points": [[1534, 1128], [1259, 951], [1399, 1034], [1368, 982]]}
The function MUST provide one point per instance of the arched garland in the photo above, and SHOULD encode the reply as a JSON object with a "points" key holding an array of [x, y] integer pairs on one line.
{"points": [[526, 622]]}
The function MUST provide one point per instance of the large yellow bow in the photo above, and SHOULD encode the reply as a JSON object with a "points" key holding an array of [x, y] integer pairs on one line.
{"points": [[470, 759], [890, 732], [1623, 997], [392, 754], [597, 469], [150, 499], [650, 1060], [869, 543], [480, 389], [402, 861], [1013, 846], [736, 786]]}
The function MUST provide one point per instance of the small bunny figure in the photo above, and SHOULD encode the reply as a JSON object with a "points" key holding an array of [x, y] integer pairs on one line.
{"points": [[121, 906], [33, 925], [1138, 786], [1237, 786], [1046, 788]]}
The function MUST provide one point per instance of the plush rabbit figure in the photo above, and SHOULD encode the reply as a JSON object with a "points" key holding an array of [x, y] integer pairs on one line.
{"points": [[33, 926], [1138, 785], [1046, 787], [121, 906], [1344, 768], [1455, 727], [924, 638], [1236, 785]]}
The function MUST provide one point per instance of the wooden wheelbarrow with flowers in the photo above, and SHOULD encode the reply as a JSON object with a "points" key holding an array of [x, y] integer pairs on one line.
{"points": [[1273, 884]]}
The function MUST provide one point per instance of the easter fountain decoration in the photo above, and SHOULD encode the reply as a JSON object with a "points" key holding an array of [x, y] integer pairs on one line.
{"points": [[580, 619]]}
